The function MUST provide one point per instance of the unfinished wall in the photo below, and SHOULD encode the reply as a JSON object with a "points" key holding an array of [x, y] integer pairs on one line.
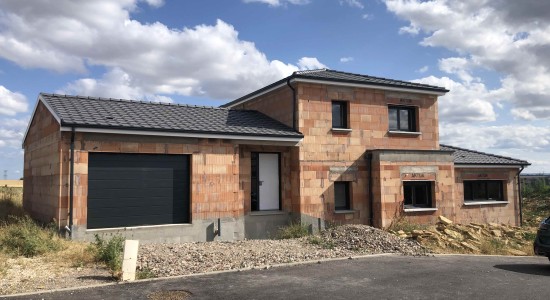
{"points": [[276, 104], [506, 212], [395, 166], [214, 167], [327, 156], [42, 167]]}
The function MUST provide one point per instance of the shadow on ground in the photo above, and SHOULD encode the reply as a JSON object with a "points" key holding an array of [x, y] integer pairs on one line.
{"points": [[542, 269]]}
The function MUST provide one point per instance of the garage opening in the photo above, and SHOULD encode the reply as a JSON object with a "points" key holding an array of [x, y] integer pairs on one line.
{"points": [[137, 189]]}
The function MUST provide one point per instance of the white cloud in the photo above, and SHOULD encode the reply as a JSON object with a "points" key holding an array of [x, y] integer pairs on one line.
{"points": [[507, 36], [466, 102], [310, 63], [424, 69], [114, 84], [12, 103], [367, 16], [346, 59], [206, 60], [276, 3], [352, 3]]}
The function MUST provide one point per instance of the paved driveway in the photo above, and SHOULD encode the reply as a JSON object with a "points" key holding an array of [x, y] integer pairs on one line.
{"points": [[384, 277]]}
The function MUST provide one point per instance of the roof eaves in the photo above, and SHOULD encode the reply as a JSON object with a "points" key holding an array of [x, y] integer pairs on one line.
{"points": [[418, 86]]}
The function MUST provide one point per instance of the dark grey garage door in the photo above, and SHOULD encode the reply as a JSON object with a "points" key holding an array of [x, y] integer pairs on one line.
{"points": [[137, 189]]}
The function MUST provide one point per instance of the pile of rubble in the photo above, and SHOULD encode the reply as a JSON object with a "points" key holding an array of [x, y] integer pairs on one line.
{"points": [[369, 240], [475, 238]]}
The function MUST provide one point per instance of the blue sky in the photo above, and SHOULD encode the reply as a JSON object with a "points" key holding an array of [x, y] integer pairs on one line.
{"points": [[492, 54]]}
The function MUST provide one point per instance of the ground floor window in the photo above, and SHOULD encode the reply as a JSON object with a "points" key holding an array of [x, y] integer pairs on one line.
{"points": [[483, 190], [417, 193], [341, 196]]}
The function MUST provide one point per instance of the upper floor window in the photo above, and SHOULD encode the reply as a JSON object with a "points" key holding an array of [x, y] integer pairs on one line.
{"points": [[402, 118], [483, 190], [339, 114]]}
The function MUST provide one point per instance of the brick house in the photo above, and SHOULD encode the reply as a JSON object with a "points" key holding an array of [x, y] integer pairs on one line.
{"points": [[319, 146]]}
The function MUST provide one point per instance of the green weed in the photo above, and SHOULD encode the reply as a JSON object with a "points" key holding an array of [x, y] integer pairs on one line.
{"points": [[109, 252], [292, 231], [23, 236]]}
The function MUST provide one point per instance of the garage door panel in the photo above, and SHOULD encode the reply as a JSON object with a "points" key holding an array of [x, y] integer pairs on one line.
{"points": [[137, 189], [134, 201]]}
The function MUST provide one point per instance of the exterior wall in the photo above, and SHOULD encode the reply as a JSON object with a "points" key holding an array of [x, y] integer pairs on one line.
{"points": [[214, 177], [42, 167], [507, 213], [276, 104], [260, 224], [393, 167], [326, 156]]}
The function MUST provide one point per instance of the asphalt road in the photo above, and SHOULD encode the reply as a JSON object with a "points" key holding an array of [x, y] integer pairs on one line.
{"points": [[383, 277]]}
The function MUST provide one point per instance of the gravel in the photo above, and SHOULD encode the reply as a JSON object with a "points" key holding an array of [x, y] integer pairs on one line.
{"points": [[343, 241], [43, 273]]}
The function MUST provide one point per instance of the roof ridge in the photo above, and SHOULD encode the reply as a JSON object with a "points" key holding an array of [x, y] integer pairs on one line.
{"points": [[131, 101], [484, 153], [381, 78], [311, 71]]}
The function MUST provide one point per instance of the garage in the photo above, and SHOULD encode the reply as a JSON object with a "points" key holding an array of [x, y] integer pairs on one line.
{"points": [[137, 189]]}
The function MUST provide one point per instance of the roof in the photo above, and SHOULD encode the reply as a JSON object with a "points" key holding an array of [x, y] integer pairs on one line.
{"points": [[333, 76], [470, 157], [90, 112]]}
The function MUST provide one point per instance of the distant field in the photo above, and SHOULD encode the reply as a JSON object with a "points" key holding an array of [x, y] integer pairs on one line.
{"points": [[11, 183]]}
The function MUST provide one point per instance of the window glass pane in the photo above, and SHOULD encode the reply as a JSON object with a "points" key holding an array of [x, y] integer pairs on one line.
{"points": [[392, 116], [479, 189], [494, 190], [337, 120], [417, 193], [341, 195], [404, 120], [408, 193], [468, 190], [421, 195]]}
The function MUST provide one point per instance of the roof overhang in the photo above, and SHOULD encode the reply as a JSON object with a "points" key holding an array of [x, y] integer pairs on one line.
{"points": [[283, 83], [271, 139], [487, 166]]}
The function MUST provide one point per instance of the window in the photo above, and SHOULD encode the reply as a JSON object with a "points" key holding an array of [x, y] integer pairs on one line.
{"points": [[402, 118], [483, 190], [339, 114], [417, 194], [341, 196]]}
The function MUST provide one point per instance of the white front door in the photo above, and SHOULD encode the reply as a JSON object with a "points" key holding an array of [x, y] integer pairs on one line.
{"points": [[268, 185]]}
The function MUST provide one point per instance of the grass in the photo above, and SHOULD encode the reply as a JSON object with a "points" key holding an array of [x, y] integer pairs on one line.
{"points": [[22, 236], [292, 231], [11, 202], [493, 246], [110, 252]]}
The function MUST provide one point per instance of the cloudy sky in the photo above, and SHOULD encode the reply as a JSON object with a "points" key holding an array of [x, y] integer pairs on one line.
{"points": [[494, 56]]}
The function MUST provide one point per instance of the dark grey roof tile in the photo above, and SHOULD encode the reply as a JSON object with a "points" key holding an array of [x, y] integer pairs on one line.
{"points": [[140, 115], [471, 157]]}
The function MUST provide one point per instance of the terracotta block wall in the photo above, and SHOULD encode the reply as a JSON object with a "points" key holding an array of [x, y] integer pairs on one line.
{"points": [[42, 167], [276, 104], [388, 193], [245, 170], [496, 213], [214, 170], [326, 156]]}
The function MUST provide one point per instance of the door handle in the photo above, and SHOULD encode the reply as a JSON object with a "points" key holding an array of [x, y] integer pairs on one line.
{"points": [[260, 182]]}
